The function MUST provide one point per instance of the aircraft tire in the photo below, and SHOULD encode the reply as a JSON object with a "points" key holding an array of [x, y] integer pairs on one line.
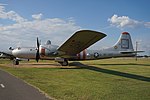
{"points": [[65, 63], [16, 62]]}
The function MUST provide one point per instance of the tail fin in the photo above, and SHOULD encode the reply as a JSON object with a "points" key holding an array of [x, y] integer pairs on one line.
{"points": [[124, 43]]}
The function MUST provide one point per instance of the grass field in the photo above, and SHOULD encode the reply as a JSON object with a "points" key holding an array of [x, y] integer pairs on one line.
{"points": [[108, 79]]}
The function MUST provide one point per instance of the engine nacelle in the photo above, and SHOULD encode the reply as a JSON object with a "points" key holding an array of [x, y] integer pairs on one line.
{"points": [[48, 51], [83, 55]]}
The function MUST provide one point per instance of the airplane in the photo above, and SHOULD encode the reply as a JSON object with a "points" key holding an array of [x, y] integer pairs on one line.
{"points": [[78, 42], [75, 48], [7, 54]]}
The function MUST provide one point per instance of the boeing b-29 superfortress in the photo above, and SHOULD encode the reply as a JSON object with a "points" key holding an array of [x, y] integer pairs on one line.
{"points": [[75, 48]]}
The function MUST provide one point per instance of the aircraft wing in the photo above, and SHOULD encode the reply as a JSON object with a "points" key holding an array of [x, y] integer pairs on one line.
{"points": [[80, 41]]}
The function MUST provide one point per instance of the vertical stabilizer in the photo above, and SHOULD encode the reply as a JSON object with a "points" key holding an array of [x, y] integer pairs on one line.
{"points": [[124, 43]]}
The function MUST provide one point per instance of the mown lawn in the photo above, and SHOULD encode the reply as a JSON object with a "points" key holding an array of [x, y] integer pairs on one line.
{"points": [[107, 79]]}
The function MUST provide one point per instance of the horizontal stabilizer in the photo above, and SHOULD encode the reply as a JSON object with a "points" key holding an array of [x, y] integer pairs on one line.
{"points": [[129, 52], [80, 41]]}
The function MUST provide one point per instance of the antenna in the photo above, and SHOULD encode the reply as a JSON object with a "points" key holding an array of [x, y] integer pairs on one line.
{"points": [[136, 44]]}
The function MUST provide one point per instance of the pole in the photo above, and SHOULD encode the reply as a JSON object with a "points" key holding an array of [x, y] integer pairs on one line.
{"points": [[136, 50]]}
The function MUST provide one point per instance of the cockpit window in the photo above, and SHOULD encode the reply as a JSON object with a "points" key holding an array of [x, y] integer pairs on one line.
{"points": [[48, 42]]}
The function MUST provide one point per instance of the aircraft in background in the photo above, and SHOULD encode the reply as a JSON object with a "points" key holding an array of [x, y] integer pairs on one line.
{"points": [[7, 54], [75, 48]]}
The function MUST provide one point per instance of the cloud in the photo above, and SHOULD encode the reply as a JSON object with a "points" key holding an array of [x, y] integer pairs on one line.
{"points": [[1, 4], [126, 22], [24, 32], [37, 16], [147, 24], [11, 15], [54, 29]]}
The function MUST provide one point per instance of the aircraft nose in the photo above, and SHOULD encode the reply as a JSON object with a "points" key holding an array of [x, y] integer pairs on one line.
{"points": [[24, 53], [15, 52]]}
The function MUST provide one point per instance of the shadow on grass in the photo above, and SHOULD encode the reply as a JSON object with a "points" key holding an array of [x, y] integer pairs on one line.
{"points": [[45, 64], [108, 71], [125, 64]]}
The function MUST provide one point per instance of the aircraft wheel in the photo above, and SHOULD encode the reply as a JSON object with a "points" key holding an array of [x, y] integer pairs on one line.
{"points": [[16, 62], [65, 63]]}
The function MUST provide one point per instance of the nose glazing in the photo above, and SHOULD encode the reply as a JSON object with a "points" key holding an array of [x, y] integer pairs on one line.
{"points": [[15, 52]]}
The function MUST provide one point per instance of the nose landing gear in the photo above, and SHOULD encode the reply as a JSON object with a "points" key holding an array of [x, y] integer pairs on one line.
{"points": [[64, 63], [16, 62]]}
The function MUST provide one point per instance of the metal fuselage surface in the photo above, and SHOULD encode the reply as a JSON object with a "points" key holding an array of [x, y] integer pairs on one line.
{"points": [[50, 54], [122, 48]]}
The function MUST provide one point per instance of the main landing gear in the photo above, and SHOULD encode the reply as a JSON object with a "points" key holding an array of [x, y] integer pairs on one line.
{"points": [[16, 62], [64, 63]]}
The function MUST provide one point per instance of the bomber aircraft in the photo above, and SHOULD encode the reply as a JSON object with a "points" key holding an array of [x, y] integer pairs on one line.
{"points": [[75, 48]]}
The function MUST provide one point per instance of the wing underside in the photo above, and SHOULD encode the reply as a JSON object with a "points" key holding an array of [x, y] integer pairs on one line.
{"points": [[80, 41]]}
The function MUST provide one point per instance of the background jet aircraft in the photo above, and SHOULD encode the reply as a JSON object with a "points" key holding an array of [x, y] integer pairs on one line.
{"points": [[75, 48]]}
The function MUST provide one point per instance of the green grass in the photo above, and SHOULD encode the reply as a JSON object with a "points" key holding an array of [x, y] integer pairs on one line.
{"points": [[108, 79]]}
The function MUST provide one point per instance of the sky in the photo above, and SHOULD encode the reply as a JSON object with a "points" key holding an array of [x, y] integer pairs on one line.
{"points": [[22, 21]]}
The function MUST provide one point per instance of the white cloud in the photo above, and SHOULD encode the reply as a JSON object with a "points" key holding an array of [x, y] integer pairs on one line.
{"points": [[147, 24], [37, 16], [57, 30], [2, 4], [25, 32], [12, 15], [126, 22]]}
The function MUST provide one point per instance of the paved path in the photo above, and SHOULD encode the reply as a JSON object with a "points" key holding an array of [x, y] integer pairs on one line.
{"points": [[12, 88]]}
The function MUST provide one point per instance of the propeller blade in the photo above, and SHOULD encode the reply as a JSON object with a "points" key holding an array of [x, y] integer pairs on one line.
{"points": [[38, 44], [37, 53]]}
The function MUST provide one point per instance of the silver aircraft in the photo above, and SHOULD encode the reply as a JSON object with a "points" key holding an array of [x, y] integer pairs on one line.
{"points": [[75, 48]]}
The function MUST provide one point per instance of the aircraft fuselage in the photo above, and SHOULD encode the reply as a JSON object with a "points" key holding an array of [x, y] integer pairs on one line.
{"points": [[75, 44], [52, 53]]}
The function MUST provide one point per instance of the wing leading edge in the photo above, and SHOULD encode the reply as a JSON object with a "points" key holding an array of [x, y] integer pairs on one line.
{"points": [[80, 41]]}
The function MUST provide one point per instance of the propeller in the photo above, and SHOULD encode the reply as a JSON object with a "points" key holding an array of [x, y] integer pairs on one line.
{"points": [[37, 53]]}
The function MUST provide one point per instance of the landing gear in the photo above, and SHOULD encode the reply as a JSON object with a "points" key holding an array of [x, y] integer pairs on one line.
{"points": [[65, 63], [62, 61], [16, 62]]}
